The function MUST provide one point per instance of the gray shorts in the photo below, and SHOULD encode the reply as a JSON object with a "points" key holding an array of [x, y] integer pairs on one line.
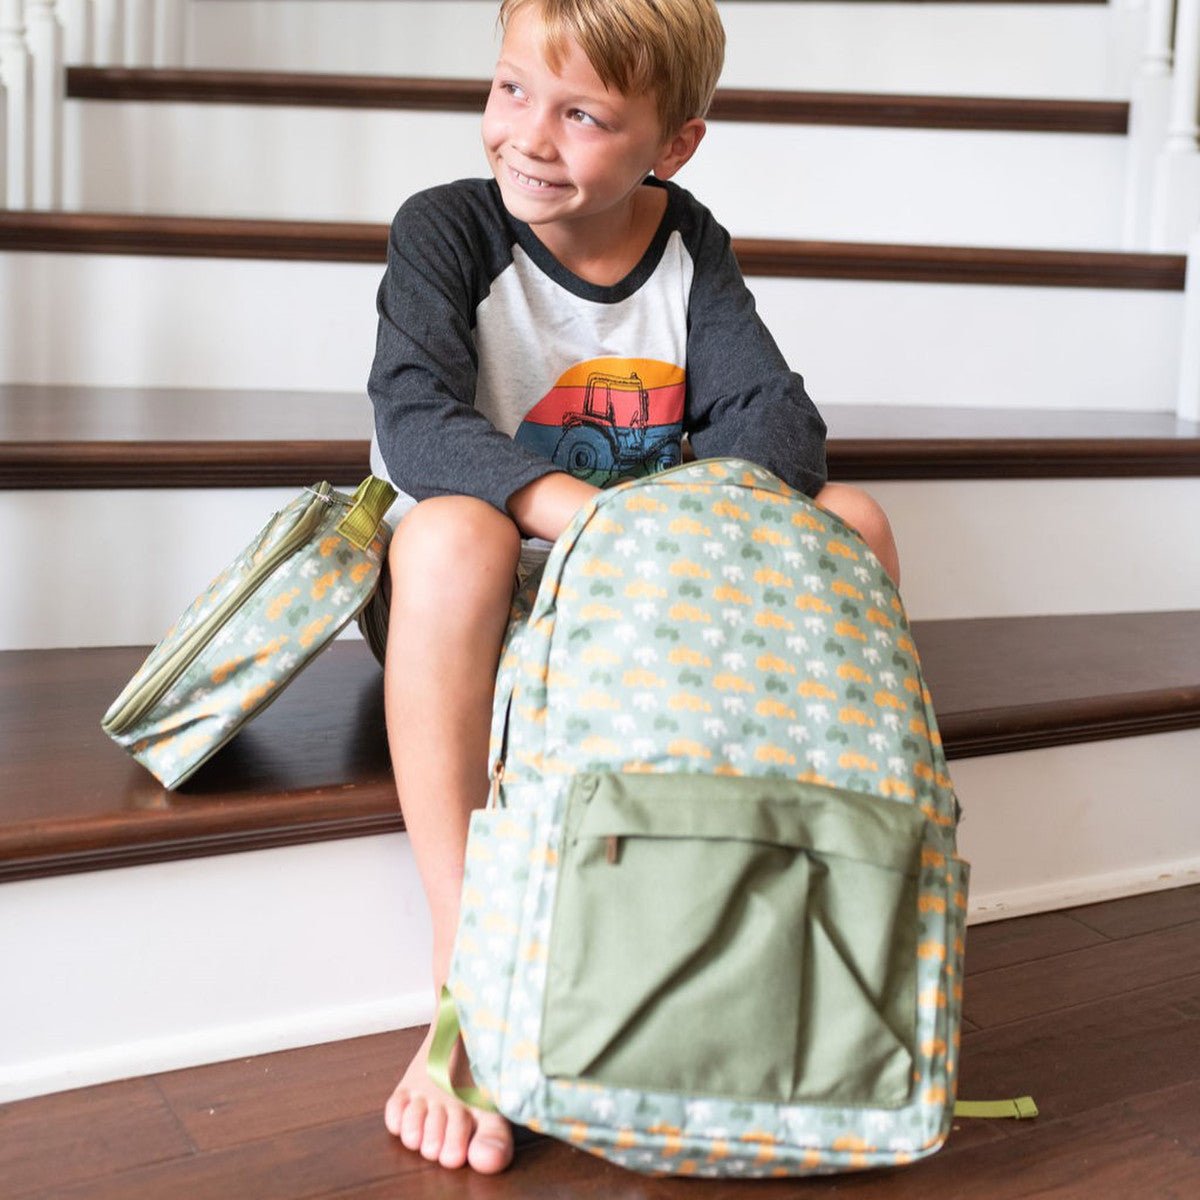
{"points": [[373, 619]]}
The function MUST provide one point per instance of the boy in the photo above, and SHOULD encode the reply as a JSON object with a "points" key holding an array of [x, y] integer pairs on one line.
{"points": [[542, 334]]}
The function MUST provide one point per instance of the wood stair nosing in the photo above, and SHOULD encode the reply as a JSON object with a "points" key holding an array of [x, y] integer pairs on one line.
{"points": [[138, 464], [315, 766], [363, 242], [180, 464], [56, 437], [429, 94]]}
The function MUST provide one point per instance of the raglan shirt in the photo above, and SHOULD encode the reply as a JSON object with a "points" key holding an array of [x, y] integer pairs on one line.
{"points": [[495, 365]]}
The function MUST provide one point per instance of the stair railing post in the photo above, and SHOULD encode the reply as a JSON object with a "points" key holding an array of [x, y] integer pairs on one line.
{"points": [[16, 76], [1188, 407], [139, 33], [1176, 207], [75, 16], [109, 32], [1150, 98], [169, 21], [49, 86]]}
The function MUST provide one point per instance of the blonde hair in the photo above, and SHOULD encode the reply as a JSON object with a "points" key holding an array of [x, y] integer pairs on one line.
{"points": [[673, 49]]}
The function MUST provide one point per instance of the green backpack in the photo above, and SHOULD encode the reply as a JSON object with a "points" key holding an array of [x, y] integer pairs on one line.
{"points": [[712, 920]]}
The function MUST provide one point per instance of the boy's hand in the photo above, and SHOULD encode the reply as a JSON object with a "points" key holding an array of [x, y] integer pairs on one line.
{"points": [[545, 507]]}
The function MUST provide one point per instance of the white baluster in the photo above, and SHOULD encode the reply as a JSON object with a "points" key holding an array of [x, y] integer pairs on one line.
{"points": [[49, 84], [109, 32], [3, 145], [1156, 58], [75, 16], [1176, 209], [1150, 99], [1183, 132], [139, 33], [17, 77], [169, 21], [1189, 368]]}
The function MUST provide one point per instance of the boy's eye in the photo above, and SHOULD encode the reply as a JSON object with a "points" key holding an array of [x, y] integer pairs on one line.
{"points": [[581, 118], [513, 89]]}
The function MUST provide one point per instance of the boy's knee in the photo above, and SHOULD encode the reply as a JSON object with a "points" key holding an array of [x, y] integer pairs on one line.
{"points": [[448, 541], [857, 508], [863, 513]]}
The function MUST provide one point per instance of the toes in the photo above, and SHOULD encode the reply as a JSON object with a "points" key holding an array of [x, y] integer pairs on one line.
{"points": [[459, 1127], [491, 1149], [394, 1111], [412, 1123], [434, 1133]]}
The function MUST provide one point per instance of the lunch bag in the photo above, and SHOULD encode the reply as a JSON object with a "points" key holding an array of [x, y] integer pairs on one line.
{"points": [[713, 916], [312, 568]]}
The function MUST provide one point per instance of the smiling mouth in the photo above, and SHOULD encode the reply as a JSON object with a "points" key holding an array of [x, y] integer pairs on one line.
{"points": [[530, 181]]}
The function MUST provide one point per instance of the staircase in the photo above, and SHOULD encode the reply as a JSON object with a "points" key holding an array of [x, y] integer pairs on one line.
{"points": [[937, 207]]}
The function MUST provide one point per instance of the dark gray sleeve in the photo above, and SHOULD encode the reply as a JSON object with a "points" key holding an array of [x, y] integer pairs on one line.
{"points": [[742, 399], [422, 382]]}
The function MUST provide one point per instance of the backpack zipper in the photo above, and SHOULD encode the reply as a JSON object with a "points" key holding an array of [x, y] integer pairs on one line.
{"points": [[497, 776]]}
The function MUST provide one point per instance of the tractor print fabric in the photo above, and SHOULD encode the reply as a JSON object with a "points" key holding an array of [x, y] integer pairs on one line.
{"points": [[294, 612], [713, 625], [610, 419]]}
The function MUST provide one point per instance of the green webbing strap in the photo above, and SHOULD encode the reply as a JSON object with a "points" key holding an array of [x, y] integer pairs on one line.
{"points": [[372, 499], [1019, 1109], [445, 1034]]}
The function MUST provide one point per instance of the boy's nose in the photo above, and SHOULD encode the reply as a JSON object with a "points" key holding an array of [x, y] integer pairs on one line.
{"points": [[532, 136]]}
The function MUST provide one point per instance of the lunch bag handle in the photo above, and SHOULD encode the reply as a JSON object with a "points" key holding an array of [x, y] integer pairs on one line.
{"points": [[370, 502]]}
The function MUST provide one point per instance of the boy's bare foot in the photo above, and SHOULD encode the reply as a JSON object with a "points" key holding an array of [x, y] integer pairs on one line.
{"points": [[442, 1129]]}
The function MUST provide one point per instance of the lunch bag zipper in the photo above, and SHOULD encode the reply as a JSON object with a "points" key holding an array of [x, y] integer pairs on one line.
{"points": [[148, 694]]}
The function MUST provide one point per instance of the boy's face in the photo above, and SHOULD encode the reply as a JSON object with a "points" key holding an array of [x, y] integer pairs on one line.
{"points": [[564, 148]]}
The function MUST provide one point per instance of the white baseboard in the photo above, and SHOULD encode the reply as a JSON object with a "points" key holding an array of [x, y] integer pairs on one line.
{"points": [[1069, 825], [1070, 893]]}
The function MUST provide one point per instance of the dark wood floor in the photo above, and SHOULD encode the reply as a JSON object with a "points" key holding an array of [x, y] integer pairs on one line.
{"points": [[1095, 1011]]}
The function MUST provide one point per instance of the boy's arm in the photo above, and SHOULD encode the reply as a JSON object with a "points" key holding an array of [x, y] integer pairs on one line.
{"points": [[742, 399], [545, 507], [422, 383]]}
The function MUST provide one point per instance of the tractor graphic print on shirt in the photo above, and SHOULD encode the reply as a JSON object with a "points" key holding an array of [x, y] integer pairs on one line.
{"points": [[609, 419]]}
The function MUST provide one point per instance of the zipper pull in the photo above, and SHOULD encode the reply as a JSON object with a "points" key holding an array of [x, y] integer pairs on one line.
{"points": [[494, 791], [612, 849]]}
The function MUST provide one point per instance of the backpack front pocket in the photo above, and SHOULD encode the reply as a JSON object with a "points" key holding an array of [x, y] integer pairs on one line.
{"points": [[752, 939]]}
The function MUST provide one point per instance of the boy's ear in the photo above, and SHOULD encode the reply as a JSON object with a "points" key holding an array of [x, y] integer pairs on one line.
{"points": [[678, 149]]}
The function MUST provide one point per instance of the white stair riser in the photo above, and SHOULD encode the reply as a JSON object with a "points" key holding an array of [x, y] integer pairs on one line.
{"points": [[1023, 547], [311, 326], [271, 960], [1039, 50], [206, 959], [1050, 829], [826, 183], [126, 563]]}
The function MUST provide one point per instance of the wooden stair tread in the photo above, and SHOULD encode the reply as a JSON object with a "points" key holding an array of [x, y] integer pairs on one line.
{"points": [[365, 242], [440, 94], [314, 765], [77, 437]]}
